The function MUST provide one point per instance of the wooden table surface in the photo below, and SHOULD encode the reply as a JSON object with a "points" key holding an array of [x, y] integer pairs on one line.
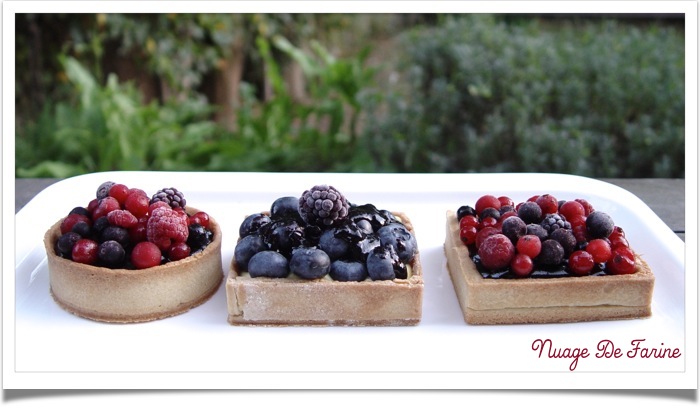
{"points": [[666, 197]]}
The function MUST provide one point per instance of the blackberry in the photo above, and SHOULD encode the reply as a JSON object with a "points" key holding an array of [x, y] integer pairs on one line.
{"points": [[323, 205], [553, 222], [170, 196]]}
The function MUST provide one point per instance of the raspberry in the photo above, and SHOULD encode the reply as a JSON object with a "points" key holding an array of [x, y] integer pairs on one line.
{"points": [[122, 218], [529, 245], [548, 203], [496, 252], [522, 265], [170, 196], [600, 250], [485, 202], [622, 262], [145, 255], [166, 227], [85, 251], [323, 205], [581, 263], [485, 233]]}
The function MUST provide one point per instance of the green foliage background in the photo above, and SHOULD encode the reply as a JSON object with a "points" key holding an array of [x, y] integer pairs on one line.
{"points": [[469, 93]]}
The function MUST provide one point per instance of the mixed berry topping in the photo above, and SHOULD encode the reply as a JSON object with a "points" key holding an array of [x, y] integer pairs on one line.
{"points": [[543, 237], [321, 234], [122, 228]]}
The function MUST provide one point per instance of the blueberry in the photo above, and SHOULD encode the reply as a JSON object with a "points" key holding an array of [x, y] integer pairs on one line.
{"points": [[530, 212], [465, 210], [271, 264], [111, 254], [310, 263], [599, 225], [80, 210], [285, 207], [490, 212], [383, 264], [100, 224], [537, 230], [513, 228], [246, 248], [82, 228], [284, 235], [399, 237], [65, 243], [115, 233], [566, 238], [332, 245], [348, 271], [198, 237], [551, 254], [252, 224], [103, 189]]}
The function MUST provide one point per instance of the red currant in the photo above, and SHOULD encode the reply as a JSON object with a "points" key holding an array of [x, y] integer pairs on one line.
{"points": [[521, 265], [571, 209], [506, 201], [468, 235], [145, 255], [622, 262], [468, 221], [85, 251], [548, 203], [529, 245], [507, 214], [600, 250], [581, 263], [488, 222], [485, 202]]}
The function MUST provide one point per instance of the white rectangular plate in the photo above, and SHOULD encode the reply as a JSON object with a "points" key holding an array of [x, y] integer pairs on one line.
{"points": [[199, 349]]}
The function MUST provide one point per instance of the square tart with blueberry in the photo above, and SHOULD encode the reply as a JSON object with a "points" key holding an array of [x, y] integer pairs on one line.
{"points": [[543, 261], [317, 260]]}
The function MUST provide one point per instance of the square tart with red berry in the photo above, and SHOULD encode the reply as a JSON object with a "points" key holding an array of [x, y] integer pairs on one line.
{"points": [[128, 258], [509, 266]]}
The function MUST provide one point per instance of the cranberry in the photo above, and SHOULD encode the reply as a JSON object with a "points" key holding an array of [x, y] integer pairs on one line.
{"points": [[200, 218], [581, 263], [586, 205], [119, 192], [486, 201], [85, 251], [600, 250], [496, 252], [529, 245], [622, 262], [521, 265], [137, 204], [105, 206], [145, 255], [137, 233], [178, 251], [72, 219]]}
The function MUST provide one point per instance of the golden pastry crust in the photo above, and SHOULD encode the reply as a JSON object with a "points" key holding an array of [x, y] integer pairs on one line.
{"points": [[323, 302], [558, 300], [131, 296]]}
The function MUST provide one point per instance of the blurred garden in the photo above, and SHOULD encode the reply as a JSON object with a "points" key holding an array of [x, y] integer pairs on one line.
{"points": [[587, 95]]}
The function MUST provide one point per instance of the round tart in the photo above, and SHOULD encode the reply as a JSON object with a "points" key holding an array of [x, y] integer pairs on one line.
{"points": [[139, 295]]}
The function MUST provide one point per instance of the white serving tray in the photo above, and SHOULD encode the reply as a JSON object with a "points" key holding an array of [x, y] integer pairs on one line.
{"points": [[199, 349]]}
